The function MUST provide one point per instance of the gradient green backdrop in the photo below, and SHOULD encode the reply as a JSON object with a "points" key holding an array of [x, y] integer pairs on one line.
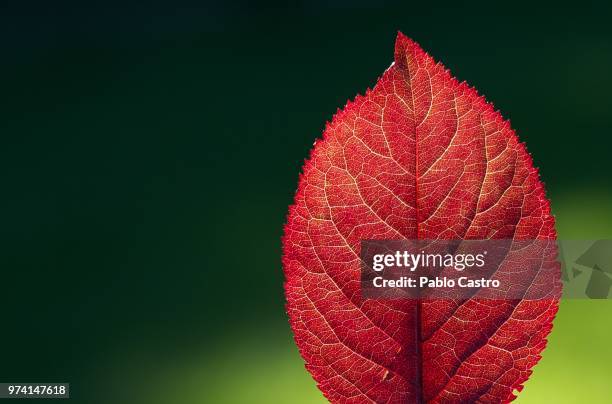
{"points": [[149, 153]]}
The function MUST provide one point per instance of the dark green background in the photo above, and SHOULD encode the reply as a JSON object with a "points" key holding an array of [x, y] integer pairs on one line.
{"points": [[149, 153]]}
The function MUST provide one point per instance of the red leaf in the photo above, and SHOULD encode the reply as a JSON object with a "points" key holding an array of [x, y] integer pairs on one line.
{"points": [[421, 156]]}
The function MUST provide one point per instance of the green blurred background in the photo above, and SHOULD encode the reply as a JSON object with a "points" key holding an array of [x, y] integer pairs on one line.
{"points": [[149, 153]]}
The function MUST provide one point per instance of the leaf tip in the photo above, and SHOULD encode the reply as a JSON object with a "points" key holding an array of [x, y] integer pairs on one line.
{"points": [[406, 50]]}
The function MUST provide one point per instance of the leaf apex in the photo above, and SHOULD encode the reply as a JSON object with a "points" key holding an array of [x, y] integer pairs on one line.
{"points": [[406, 50]]}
